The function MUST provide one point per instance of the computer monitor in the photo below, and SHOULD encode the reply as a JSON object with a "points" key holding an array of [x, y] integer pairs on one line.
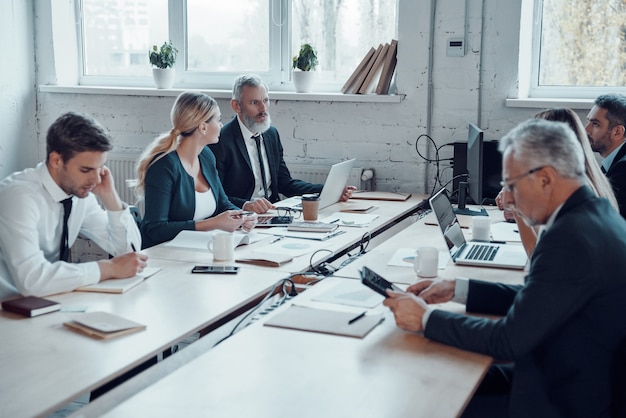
{"points": [[474, 184]]}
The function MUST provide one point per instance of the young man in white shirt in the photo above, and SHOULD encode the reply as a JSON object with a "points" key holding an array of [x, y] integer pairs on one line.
{"points": [[32, 241]]}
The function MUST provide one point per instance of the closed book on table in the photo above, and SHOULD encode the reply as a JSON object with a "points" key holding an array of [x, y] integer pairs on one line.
{"points": [[120, 285], [30, 306], [358, 208], [392, 196], [265, 259], [103, 325], [305, 318]]}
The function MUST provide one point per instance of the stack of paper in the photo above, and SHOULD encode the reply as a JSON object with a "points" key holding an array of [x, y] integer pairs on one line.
{"points": [[358, 220]]}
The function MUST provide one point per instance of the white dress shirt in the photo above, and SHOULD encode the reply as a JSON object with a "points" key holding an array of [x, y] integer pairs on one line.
{"points": [[30, 234], [205, 205], [608, 161], [461, 284], [254, 161]]}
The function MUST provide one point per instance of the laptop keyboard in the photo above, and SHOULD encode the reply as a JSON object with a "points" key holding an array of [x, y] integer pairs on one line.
{"points": [[482, 252]]}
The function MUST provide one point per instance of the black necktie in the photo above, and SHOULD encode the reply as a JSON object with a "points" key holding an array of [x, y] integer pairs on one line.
{"points": [[257, 140], [603, 170], [64, 254]]}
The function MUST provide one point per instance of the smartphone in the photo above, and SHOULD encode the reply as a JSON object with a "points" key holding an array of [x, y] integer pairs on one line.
{"points": [[281, 220], [215, 269], [376, 282]]}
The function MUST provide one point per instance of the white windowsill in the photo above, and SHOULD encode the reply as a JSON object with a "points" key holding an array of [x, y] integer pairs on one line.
{"points": [[546, 103], [222, 94]]}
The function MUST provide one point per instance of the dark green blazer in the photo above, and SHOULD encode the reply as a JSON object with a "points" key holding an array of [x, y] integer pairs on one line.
{"points": [[170, 200]]}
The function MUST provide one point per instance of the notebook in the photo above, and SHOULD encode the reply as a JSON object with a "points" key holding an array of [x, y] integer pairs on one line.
{"points": [[483, 254], [333, 187], [347, 324]]}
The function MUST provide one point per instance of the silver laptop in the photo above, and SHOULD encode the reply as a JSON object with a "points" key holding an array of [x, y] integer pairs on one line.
{"points": [[473, 253], [333, 187]]}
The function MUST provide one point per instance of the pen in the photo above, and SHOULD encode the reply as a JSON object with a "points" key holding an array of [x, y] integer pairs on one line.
{"points": [[277, 239], [497, 242], [133, 247], [356, 318], [334, 234], [336, 220]]}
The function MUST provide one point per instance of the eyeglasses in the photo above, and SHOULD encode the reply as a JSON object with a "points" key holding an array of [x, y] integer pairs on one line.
{"points": [[509, 184], [285, 211]]}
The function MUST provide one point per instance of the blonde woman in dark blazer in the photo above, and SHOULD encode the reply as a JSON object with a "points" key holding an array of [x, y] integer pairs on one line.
{"points": [[178, 179]]}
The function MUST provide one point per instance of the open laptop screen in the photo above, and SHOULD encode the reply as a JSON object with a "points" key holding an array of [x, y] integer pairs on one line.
{"points": [[447, 221]]}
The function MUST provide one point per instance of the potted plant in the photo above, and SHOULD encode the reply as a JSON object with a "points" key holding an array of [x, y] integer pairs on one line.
{"points": [[163, 60], [305, 62]]}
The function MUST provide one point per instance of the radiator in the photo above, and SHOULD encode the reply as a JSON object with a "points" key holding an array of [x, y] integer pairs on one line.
{"points": [[122, 167]]}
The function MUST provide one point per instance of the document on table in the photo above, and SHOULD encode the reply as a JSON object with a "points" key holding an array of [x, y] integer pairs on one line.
{"points": [[293, 247], [355, 220], [404, 257], [352, 293], [505, 231], [314, 236], [199, 240]]}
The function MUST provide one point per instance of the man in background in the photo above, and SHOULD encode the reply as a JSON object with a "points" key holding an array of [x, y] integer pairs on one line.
{"points": [[45, 208], [606, 128], [249, 153], [561, 330]]}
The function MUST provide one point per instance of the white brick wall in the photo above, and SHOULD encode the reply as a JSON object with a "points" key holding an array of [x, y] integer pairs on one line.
{"points": [[379, 135]]}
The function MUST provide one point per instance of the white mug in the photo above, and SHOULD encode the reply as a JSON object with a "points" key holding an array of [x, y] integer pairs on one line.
{"points": [[481, 228], [426, 261], [222, 246]]}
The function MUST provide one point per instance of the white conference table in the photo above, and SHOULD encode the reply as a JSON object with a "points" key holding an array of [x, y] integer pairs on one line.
{"points": [[390, 214], [272, 372], [425, 233], [45, 365]]}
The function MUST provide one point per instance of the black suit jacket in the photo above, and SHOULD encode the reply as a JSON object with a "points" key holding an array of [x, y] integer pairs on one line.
{"points": [[233, 166], [564, 325], [617, 177]]}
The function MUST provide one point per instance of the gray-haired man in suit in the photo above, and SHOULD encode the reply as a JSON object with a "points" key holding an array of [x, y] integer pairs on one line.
{"points": [[562, 328]]}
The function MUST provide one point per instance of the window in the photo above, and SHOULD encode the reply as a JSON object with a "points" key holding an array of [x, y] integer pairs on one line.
{"points": [[578, 48], [218, 40]]}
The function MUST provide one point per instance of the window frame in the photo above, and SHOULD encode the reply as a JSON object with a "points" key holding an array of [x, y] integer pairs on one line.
{"points": [[278, 78], [531, 20]]}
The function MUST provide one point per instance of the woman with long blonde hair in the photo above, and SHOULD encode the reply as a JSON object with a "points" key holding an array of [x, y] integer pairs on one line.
{"points": [[177, 176], [596, 180]]}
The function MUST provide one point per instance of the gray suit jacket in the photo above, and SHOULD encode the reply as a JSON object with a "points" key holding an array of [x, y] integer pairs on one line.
{"points": [[564, 325]]}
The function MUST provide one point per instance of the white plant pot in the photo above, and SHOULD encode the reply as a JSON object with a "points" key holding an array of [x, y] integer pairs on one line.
{"points": [[303, 81], [163, 77]]}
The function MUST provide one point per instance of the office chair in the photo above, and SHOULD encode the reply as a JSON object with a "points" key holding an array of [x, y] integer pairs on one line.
{"points": [[134, 210]]}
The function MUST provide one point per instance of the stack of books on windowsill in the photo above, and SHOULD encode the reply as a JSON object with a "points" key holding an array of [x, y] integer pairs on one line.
{"points": [[374, 72]]}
